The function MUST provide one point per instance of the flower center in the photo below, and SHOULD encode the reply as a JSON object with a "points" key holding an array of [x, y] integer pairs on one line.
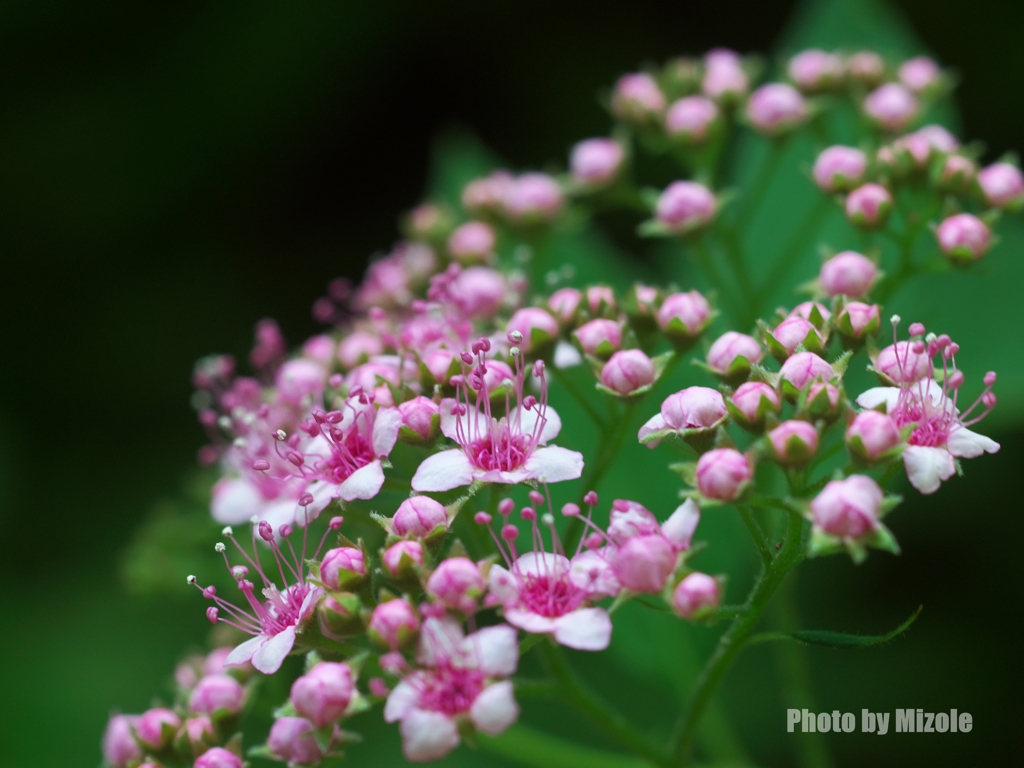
{"points": [[504, 453], [549, 596], [352, 452], [451, 691], [283, 608]]}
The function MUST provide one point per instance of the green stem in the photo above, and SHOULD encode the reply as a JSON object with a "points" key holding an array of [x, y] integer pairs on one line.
{"points": [[756, 534], [577, 394], [733, 640], [707, 265], [590, 705]]}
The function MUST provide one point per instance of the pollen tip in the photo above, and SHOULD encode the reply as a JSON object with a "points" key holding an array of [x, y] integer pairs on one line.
{"points": [[219, 546], [190, 579], [227, 530]]}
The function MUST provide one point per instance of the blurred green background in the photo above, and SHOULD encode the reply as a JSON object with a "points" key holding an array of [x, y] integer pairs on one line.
{"points": [[170, 173]]}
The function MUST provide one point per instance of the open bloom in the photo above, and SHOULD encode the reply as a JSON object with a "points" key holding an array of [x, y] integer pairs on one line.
{"points": [[940, 431], [507, 450], [460, 680], [275, 622]]}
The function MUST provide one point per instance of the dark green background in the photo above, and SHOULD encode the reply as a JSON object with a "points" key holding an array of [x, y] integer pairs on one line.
{"points": [[170, 173]]}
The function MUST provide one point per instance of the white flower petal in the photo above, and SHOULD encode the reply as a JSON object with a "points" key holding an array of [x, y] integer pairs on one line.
{"points": [[927, 467], [679, 528], [403, 698], [439, 639], [654, 424], [269, 657], [364, 483], [525, 421], [541, 564], [386, 425], [443, 471], [502, 584], [473, 422], [566, 355], [872, 398], [495, 709], [529, 621], [965, 444], [234, 500], [591, 572], [428, 735], [243, 653], [552, 464], [495, 650], [586, 629]]}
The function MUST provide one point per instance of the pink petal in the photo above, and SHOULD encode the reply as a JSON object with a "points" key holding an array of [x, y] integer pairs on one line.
{"points": [[927, 467], [679, 528], [243, 653], [438, 640], [527, 421], [323, 494], [553, 464], [443, 471], [403, 698], [588, 629], [386, 425], [449, 422], [528, 621], [269, 657], [502, 584], [591, 571], [965, 444], [495, 709], [428, 735], [654, 424], [235, 500], [495, 649], [309, 603], [364, 483]]}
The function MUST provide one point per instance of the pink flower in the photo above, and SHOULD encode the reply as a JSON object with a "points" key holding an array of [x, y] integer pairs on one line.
{"points": [[643, 553], [904, 362], [871, 435], [119, 745], [866, 67], [217, 693], [839, 168], [724, 78], [393, 624], [848, 274], [401, 556], [323, 694], [564, 303], [533, 197], [964, 236], [637, 98], [857, 320], [803, 368], [868, 205], [342, 567], [218, 757], [487, 193], [299, 380], [599, 337], [507, 450], [807, 309], [751, 403], [791, 333], [815, 70], [685, 206], [684, 315], [596, 162], [891, 105], [1002, 184], [694, 408], [691, 119], [794, 442], [457, 584], [848, 509], [472, 241], [477, 292], [919, 73], [695, 595], [776, 108], [627, 371], [459, 680], [358, 347], [421, 416], [418, 517], [536, 326], [155, 728], [292, 739], [723, 474], [197, 733], [734, 353]]}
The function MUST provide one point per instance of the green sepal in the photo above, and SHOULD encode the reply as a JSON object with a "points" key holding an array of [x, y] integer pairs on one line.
{"points": [[686, 470]]}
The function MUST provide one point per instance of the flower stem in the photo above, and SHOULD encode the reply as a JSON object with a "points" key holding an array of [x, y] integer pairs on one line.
{"points": [[577, 394], [756, 534], [733, 640]]}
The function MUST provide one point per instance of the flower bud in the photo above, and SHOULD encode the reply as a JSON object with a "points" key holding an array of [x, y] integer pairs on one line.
{"points": [[807, 310], [868, 205], [342, 567], [323, 694], [197, 734], [857, 320], [439, 363], [723, 474], [957, 174], [963, 237], [866, 67], [683, 316], [919, 74], [637, 98], [478, 291], [848, 274], [695, 595], [792, 332], [815, 70], [627, 371], [848, 509], [155, 728], [536, 325], [292, 739], [532, 198], [393, 624], [421, 416], [300, 378], [428, 221], [564, 303], [214, 664], [217, 694], [119, 746], [776, 108], [691, 119], [694, 408], [1002, 185], [724, 79], [751, 403], [794, 442], [803, 368], [218, 757], [733, 353], [891, 106], [487, 193], [600, 299], [400, 557], [902, 365], [872, 434], [925, 142], [596, 162], [644, 563], [685, 206], [822, 401], [418, 516], [839, 168], [472, 242], [340, 618], [599, 337], [457, 584]]}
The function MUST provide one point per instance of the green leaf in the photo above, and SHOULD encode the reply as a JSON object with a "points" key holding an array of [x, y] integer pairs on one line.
{"points": [[530, 746], [837, 639]]}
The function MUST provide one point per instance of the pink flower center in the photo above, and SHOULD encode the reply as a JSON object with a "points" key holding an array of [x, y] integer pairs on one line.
{"points": [[282, 609], [549, 595], [351, 452], [504, 451], [449, 690]]}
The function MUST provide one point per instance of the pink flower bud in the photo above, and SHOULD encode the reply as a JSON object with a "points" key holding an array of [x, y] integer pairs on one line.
{"points": [[218, 757], [644, 563], [472, 242], [320, 349], [964, 236], [600, 298], [794, 442], [731, 346], [776, 108], [213, 664], [815, 70], [198, 732], [891, 106], [478, 291], [596, 162], [919, 74], [646, 297], [694, 408], [866, 67], [150, 727], [691, 119], [119, 746], [1002, 184], [822, 400], [753, 400], [684, 315], [848, 509], [599, 337], [637, 98], [924, 142], [457, 584], [848, 274], [857, 320], [292, 739], [839, 168], [488, 193], [793, 331], [300, 378], [695, 594], [216, 694], [418, 415], [358, 347], [530, 320], [323, 694], [685, 206], [393, 624], [872, 434], [868, 205], [723, 474], [902, 364], [806, 310], [439, 363], [533, 197], [803, 368], [957, 173], [627, 371], [342, 567], [724, 78], [418, 516], [564, 303], [396, 553]]}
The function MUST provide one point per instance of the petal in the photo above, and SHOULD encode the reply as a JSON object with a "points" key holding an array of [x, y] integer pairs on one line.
{"points": [[679, 528], [443, 471], [309, 603], [386, 424], [428, 735], [965, 444], [364, 483], [553, 464], [512, 477], [874, 397], [243, 653], [279, 512], [234, 500], [541, 564], [440, 639], [473, 422], [269, 656], [591, 572], [495, 709], [529, 621], [495, 649], [323, 494], [927, 467], [502, 584], [403, 698], [587, 629], [654, 424], [566, 355], [525, 422]]}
